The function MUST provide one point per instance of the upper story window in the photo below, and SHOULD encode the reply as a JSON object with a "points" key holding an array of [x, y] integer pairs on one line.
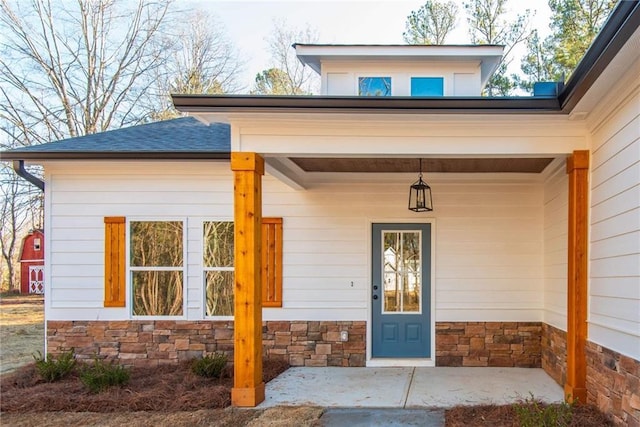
{"points": [[36, 244], [427, 86], [374, 86], [157, 267]]}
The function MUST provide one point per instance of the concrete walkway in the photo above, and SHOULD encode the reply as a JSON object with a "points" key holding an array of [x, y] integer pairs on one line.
{"points": [[417, 388]]}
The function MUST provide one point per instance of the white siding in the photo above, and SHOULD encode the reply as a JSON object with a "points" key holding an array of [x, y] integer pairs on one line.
{"points": [[461, 78], [556, 199], [488, 256], [614, 305]]}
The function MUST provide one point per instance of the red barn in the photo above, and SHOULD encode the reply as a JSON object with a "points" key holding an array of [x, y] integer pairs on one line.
{"points": [[32, 263]]}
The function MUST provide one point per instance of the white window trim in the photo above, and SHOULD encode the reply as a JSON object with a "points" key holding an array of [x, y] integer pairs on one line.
{"points": [[129, 284], [204, 269]]}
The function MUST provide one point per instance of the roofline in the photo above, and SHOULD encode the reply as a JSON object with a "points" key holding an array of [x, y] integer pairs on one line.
{"points": [[364, 105], [110, 155], [437, 46], [622, 23]]}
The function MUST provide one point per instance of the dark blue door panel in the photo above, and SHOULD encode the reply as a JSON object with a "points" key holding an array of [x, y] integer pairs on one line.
{"points": [[401, 334]]}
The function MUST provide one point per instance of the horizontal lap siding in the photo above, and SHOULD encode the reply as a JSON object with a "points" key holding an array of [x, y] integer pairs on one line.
{"points": [[488, 256], [614, 309], [83, 194], [556, 197]]}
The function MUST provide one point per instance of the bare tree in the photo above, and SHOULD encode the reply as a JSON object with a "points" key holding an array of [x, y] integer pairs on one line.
{"points": [[293, 78], [19, 212], [488, 25], [431, 23], [70, 69], [204, 62]]}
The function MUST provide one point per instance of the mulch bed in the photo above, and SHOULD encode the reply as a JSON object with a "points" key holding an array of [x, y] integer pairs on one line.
{"points": [[505, 416], [165, 388]]}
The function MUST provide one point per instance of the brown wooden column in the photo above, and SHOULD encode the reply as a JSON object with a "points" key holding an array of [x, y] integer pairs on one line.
{"points": [[578, 171], [248, 387]]}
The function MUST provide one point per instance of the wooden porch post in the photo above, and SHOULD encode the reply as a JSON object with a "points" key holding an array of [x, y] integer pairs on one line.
{"points": [[248, 387], [578, 171]]}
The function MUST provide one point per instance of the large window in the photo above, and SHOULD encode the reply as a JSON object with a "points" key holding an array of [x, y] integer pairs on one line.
{"points": [[218, 267], [157, 267], [427, 86], [374, 86]]}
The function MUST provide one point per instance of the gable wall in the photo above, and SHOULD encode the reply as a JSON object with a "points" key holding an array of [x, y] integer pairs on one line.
{"points": [[488, 255]]}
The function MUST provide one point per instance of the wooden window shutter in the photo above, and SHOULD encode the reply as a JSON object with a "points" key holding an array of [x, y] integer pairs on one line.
{"points": [[272, 262], [114, 261]]}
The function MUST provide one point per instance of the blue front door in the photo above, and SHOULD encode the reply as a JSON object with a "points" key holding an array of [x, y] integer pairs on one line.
{"points": [[401, 290]]}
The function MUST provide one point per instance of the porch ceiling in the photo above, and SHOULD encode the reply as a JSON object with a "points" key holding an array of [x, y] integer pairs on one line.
{"points": [[430, 165]]}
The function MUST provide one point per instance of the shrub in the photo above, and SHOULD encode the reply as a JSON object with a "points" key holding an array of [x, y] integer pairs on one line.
{"points": [[210, 366], [100, 375], [53, 368], [534, 413]]}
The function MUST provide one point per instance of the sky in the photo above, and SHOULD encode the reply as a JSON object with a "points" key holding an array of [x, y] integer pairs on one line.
{"points": [[249, 23]]}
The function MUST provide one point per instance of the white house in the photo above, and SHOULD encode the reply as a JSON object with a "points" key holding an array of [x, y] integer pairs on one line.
{"points": [[266, 221]]}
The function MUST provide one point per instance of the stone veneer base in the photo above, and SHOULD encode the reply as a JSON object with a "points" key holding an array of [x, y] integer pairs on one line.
{"points": [[149, 342], [301, 343], [499, 344], [613, 380], [554, 353], [613, 384]]}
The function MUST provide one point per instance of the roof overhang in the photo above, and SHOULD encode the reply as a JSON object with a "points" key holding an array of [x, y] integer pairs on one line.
{"points": [[31, 156], [223, 104], [487, 57]]}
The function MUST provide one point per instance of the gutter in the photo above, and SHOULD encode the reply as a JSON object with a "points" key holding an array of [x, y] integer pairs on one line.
{"points": [[615, 33], [18, 166]]}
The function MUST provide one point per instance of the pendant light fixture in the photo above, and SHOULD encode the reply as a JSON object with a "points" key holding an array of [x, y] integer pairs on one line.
{"points": [[420, 195]]}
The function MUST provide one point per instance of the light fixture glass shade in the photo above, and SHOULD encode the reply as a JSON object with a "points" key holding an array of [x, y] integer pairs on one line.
{"points": [[420, 196]]}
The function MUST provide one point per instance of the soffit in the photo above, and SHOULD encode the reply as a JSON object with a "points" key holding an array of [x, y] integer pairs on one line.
{"points": [[431, 165]]}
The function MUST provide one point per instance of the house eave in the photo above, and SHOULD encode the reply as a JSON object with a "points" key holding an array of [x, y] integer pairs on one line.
{"points": [[39, 156], [365, 105], [616, 32]]}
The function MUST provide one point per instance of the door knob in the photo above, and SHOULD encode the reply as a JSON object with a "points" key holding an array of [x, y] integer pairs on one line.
{"points": [[375, 297], [375, 287]]}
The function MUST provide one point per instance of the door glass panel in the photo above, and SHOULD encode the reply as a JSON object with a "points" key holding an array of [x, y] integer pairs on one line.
{"points": [[402, 284]]}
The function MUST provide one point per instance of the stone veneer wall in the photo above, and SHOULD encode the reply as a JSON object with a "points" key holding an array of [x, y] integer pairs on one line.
{"points": [[316, 343], [613, 384], [554, 353], [500, 344], [301, 343], [153, 342]]}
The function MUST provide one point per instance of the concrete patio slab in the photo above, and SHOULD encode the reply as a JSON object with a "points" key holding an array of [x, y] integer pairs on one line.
{"points": [[340, 387], [447, 387], [408, 387]]}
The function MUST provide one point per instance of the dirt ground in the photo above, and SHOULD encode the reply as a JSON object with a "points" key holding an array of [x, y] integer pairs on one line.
{"points": [[229, 417], [22, 334], [21, 330]]}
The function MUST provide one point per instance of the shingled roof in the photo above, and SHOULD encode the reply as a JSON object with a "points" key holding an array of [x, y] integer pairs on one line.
{"points": [[182, 138]]}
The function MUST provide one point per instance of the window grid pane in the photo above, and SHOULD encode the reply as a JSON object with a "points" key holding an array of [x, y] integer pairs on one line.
{"points": [[219, 290], [427, 86], [157, 293], [374, 86], [218, 253], [402, 284]]}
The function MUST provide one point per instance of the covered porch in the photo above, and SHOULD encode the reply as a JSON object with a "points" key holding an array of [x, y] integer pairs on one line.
{"points": [[414, 386]]}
